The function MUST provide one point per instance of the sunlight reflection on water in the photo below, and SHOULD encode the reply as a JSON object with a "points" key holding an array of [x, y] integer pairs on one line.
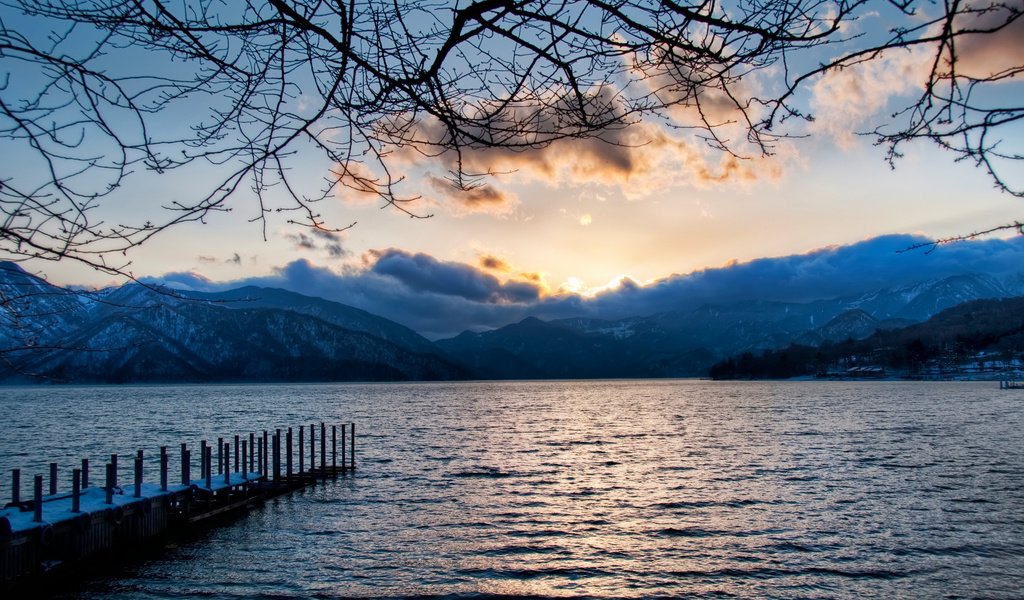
{"points": [[604, 489]]}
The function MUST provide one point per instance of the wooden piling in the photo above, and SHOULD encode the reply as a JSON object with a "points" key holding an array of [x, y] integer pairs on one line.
{"points": [[138, 474], [37, 499], [163, 468], [244, 457], [186, 466], [252, 454], [344, 462], [302, 449], [220, 455], [323, 450], [109, 488], [16, 486], [85, 473], [208, 468], [312, 449], [227, 463], [288, 454], [277, 455], [237, 448], [76, 490], [334, 450], [113, 461], [352, 449], [202, 460]]}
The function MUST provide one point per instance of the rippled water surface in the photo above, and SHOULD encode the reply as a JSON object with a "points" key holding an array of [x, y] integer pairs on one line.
{"points": [[600, 489]]}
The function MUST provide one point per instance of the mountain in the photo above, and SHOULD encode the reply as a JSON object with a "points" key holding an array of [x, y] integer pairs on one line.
{"points": [[961, 341], [688, 342], [136, 333], [33, 312], [344, 316]]}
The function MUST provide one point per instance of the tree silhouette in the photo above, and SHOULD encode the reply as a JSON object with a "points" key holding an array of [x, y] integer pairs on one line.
{"points": [[93, 92]]}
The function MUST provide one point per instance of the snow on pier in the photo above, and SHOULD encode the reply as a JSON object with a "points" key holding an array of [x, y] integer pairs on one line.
{"points": [[42, 533]]}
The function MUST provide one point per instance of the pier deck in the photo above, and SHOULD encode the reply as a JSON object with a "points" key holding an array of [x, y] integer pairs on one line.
{"points": [[54, 532]]}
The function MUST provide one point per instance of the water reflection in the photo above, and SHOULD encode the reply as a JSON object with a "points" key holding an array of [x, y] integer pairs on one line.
{"points": [[609, 489]]}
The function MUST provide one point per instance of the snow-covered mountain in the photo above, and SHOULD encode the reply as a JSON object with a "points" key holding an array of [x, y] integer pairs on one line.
{"points": [[687, 342], [138, 333]]}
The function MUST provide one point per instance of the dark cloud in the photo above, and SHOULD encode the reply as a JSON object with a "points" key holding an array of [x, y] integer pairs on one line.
{"points": [[493, 263], [422, 272], [319, 240], [441, 298]]}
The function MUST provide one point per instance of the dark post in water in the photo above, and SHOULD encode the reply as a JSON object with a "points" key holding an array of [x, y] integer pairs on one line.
{"points": [[109, 489], [163, 468], [138, 474], [76, 490], [85, 473], [37, 500], [53, 479], [288, 454], [16, 486]]}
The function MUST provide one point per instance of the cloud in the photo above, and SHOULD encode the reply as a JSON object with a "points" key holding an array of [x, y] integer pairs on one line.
{"points": [[493, 263], [475, 198], [998, 48], [318, 240], [638, 159], [424, 273], [843, 100], [442, 298]]}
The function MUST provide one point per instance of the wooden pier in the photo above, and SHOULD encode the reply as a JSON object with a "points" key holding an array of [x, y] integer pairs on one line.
{"points": [[43, 533], [1011, 384]]}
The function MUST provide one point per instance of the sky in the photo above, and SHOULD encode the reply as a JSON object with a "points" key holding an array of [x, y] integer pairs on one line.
{"points": [[560, 231]]}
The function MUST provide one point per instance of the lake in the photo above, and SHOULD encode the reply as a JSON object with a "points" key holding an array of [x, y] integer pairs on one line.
{"points": [[580, 488]]}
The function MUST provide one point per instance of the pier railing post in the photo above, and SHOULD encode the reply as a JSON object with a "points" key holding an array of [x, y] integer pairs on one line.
{"points": [[16, 486], [334, 450], [277, 455], [109, 488], [85, 473], [227, 463], [266, 455], [186, 466], [312, 449], [323, 450], [220, 456], [208, 460], [352, 453], [138, 475], [237, 447], [259, 456], [302, 449], [244, 460], [53, 479], [163, 468], [288, 454], [76, 490], [37, 499], [202, 460]]}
